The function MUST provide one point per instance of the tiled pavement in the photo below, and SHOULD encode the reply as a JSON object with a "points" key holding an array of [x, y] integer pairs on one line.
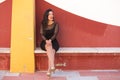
{"points": [[64, 75]]}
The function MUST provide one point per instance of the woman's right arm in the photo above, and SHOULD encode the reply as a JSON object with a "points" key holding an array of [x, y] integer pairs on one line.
{"points": [[42, 33]]}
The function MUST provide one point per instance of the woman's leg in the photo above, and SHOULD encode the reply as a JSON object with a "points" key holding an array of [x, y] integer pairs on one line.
{"points": [[51, 56]]}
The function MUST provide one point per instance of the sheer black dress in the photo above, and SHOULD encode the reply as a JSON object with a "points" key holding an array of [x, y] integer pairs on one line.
{"points": [[49, 32]]}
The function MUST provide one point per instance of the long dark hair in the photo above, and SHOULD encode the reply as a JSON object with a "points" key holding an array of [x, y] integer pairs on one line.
{"points": [[45, 18]]}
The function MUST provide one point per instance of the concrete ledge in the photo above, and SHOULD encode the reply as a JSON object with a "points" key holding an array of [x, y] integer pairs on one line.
{"points": [[84, 50], [75, 50], [4, 50]]}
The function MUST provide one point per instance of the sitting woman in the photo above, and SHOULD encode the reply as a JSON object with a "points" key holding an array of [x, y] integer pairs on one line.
{"points": [[49, 29]]}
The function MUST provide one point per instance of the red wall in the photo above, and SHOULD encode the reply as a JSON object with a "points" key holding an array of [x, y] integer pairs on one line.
{"points": [[80, 61], [76, 31], [73, 61], [4, 61], [5, 23]]}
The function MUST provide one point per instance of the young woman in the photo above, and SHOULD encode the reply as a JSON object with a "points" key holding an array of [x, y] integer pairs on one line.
{"points": [[49, 30]]}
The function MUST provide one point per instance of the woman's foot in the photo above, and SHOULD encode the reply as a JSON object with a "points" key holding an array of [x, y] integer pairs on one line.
{"points": [[48, 74], [53, 69]]}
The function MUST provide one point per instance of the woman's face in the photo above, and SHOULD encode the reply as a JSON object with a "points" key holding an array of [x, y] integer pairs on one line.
{"points": [[50, 16]]}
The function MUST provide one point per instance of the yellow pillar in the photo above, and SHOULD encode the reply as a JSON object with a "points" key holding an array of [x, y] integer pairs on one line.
{"points": [[22, 36]]}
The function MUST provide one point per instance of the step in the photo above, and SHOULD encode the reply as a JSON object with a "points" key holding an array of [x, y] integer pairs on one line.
{"points": [[75, 50]]}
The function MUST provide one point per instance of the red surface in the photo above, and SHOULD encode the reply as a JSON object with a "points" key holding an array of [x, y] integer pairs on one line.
{"points": [[36, 76], [81, 61], [5, 23], [102, 75], [4, 61], [73, 61], [76, 31], [84, 74]]}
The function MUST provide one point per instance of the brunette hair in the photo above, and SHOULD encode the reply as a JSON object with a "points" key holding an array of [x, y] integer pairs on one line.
{"points": [[45, 18]]}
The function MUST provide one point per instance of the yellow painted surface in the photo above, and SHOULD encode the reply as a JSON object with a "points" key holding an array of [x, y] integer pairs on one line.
{"points": [[22, 36]]}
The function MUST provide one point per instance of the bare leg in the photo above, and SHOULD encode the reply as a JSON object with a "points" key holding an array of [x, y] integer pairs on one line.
{"points": [[50, 54], [53, 58]]}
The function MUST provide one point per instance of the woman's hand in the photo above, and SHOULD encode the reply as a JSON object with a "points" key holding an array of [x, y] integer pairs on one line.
{"points": [[48, 42]]}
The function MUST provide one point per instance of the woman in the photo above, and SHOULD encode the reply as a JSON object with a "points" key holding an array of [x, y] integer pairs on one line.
{"points": [[49, 30]]}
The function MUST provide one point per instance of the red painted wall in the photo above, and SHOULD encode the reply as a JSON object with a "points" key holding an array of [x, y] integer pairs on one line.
{"points": [[76, 31], [80, 61], [4, 61], [73, 61], [5, 23]]}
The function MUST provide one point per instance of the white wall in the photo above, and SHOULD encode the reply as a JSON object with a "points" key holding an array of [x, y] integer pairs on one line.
{"points": [[105, 11]]}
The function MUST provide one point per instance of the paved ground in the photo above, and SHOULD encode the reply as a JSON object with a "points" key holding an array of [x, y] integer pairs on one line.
{"points": [[64, 75]]}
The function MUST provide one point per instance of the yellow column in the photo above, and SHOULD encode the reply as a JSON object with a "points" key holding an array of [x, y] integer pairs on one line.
{"points": [[22, 36]]}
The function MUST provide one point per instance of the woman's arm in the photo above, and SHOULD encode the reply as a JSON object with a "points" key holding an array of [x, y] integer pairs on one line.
{"points": [[55, 32], [42, 33]]}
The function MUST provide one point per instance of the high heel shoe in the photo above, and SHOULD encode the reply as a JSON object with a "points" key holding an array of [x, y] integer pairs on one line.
{"points": [[53, 69], [48, 74]]}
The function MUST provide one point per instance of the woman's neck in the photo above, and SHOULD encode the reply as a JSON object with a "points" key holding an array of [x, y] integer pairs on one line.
{"points": [[50, 22]]}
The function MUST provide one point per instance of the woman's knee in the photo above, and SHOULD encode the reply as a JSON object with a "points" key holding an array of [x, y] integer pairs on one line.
{"points": [[48, 46]]}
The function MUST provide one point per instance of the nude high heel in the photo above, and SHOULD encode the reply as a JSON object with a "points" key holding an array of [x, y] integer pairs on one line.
{"points": [[53, 69], [48, 74]]}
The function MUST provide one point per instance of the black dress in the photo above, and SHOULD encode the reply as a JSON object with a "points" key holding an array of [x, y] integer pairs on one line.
{"points": [[49, 33]]}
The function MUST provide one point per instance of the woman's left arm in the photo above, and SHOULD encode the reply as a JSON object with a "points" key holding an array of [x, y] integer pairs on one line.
{"points": [[55, 32]]}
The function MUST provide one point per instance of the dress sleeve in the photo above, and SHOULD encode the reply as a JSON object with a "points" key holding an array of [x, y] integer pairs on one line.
{"points": [[55, 32], [42, 33]]}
